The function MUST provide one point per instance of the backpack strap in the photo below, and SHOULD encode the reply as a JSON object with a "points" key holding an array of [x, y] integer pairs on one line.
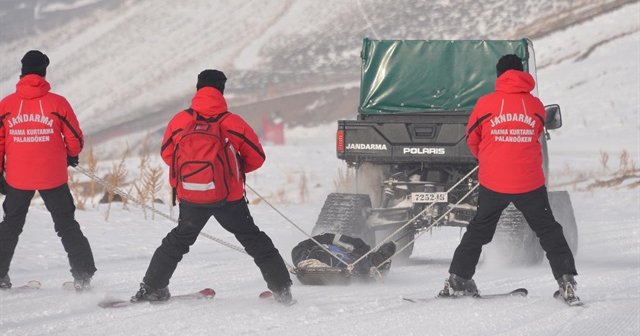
{"points": [[219, 117], [216, 118]]}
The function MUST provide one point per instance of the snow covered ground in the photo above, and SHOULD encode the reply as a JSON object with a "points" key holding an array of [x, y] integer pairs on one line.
{"points": [[608, 262], [608, 259]]}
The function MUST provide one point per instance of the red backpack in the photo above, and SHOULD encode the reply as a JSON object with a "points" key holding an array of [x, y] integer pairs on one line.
{"points": [[204, 161]]}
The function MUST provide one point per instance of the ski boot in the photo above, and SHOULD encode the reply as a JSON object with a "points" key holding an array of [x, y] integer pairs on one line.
{"points": [[5, 282], [567, 290], [146, 293], [381, 257], [82, 282], [284, 296], [457, 286]]}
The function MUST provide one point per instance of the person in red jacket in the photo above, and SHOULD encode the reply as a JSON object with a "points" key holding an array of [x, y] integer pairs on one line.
{"points": [[39, 137], [503, 133], [209, 104]]}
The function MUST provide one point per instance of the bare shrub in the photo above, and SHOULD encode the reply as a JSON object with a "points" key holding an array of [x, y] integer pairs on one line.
{"points": [[116, 179], [281, 196], [144, 154], [92, 166], [304, 189], [141, 186], [627, 165], [152, 184], [626, 171], [290, 178], [142, 197], [625, 162], [76, 190], [633, 169], [604, 160]]}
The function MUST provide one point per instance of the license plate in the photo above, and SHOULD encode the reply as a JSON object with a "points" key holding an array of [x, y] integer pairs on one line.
{"points": [[426, 197]]}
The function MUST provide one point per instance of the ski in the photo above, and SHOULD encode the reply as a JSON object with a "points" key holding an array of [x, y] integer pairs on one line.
{"points": [[570, 302], [206, 293], [32, 284], [268, 295], [520, 292]]}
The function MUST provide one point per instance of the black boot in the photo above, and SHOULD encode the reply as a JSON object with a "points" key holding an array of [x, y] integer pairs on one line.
{"points": [[567, 290], [82, 282], [146, 293], [284, 296], [5, 282], [381, 257], [458, 286]]}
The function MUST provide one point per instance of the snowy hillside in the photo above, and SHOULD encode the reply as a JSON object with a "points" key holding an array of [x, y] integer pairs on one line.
{"points": [[592, 70], [127, 66], [597, 86]]}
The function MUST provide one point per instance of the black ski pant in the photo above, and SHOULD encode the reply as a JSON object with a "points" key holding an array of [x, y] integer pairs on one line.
{"points": [[235, 218], [535, 207], [59, 202]]}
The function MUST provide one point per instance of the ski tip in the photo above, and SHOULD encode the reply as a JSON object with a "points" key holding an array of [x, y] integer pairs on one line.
{"points": [[34, 284], [208, 293], [268, 295], [107, 303], [265, 295], [520, 291]]}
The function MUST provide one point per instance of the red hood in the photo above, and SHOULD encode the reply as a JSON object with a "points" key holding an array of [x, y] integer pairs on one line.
{"points": [[32, 86], [514, 81], [208, 101]]}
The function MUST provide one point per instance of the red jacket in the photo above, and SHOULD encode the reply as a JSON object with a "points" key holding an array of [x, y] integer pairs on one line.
{"points": [[38, 130], [209, 102], [503, 133]]}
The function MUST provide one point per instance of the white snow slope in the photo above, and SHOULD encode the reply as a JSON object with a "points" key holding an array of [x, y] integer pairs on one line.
{"points": [[600, 96], [133, 60]]}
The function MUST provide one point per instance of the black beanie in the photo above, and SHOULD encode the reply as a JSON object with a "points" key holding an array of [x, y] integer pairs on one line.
{"points": [[509, 62], [34, 62], [212, 78]]}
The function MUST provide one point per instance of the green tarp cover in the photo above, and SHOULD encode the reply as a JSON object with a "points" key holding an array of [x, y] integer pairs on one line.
{"points": [[416, 76]]}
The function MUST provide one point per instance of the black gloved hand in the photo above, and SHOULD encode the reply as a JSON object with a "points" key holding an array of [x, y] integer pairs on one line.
{"points": [[3, 185], [72, 161]]}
